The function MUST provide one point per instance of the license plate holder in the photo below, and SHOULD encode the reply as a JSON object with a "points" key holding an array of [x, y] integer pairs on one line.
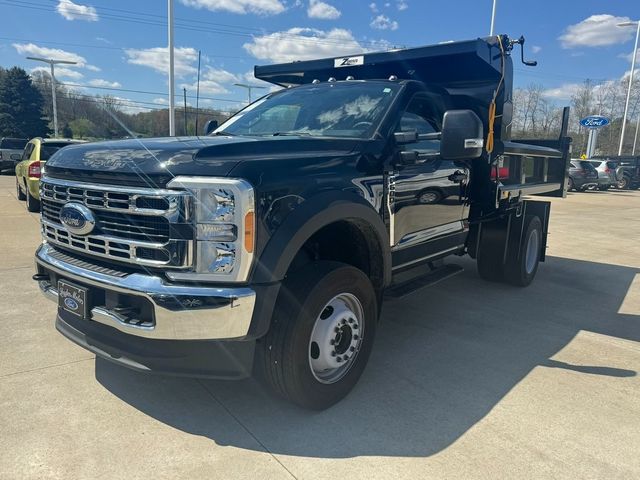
{"points": [[73, 299]]}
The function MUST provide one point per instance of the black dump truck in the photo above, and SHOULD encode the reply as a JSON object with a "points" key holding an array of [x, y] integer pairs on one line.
{"points": [[268, 246]]}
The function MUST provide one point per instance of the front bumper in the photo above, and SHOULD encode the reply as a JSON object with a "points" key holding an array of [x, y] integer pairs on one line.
{"points": [[146, 306]]}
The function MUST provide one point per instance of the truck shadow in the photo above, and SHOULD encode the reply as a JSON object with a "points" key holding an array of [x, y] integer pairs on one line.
{"points": [[444, 358]]}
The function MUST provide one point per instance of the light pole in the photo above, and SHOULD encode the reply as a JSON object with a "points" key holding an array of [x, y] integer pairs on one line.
{"points": [[172, 81], [633, 67], [51, 63], [635, 138], [493, 17], [248, 87]]}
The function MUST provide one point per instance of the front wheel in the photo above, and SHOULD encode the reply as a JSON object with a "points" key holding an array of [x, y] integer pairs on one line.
{"points": [[321, 334]]}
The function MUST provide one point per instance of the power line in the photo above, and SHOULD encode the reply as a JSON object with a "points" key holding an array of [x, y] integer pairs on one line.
{"points": [[145, 92], [248, 33]]}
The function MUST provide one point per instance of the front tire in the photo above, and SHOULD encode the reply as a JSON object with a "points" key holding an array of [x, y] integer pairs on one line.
{"points": [[33, 204], [321, 334]]}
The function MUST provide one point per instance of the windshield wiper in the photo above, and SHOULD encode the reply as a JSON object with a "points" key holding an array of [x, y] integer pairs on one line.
{"points": [[224, 132], [291, 134]]}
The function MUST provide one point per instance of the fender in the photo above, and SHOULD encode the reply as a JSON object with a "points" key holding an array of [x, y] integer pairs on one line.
{"points": [[309, 217]]}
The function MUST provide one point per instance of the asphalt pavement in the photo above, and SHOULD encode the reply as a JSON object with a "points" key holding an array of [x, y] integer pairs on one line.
{"points": [[467, 380]]}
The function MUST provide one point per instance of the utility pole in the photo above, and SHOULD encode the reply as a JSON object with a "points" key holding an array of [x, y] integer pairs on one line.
{"points": [[198, 96], [249, 87], [633, 67], [635, 139], [493, 17], [184, 92], [172, 109], [51, 63]]}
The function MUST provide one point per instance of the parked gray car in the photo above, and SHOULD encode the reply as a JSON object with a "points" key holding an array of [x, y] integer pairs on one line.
{"points": [[11, 152], [582, 175], [606, 173]]}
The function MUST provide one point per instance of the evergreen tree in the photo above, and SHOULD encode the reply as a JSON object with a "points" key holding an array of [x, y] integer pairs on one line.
{"points": [[20, 106]]}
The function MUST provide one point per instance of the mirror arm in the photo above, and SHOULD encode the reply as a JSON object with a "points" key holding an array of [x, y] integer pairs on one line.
{"points": [[430, 136]]}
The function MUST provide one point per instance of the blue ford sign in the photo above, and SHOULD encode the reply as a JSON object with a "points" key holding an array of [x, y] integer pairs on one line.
{"points": [[77, 218], [594, 121]]}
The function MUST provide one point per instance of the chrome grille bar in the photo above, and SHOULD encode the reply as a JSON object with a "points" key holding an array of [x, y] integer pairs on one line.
{"points": [[130, 225]]}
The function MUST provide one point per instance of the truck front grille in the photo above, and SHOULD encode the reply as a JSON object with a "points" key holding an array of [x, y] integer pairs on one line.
{"points": [[133, 225]]}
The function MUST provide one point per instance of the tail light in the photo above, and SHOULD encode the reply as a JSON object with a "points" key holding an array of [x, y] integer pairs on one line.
{"points": [[34, 170]]}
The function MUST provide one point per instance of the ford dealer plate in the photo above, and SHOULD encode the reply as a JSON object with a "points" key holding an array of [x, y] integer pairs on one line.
{"points": [[73, 299]]}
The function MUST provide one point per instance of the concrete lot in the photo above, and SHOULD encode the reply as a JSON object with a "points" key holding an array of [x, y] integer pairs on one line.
{"points": [[467, 380]]}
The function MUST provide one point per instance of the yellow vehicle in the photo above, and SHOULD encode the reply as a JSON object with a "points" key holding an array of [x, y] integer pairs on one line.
{"points": [[29, 169]]}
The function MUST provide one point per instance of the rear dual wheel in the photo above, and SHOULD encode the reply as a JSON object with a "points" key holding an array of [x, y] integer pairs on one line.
{"points": [[521, 265], [321, 334]]}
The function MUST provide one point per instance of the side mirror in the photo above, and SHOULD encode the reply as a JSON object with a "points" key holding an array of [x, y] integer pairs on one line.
{"points": [[402, 138], [210, 126], [462, 135]]}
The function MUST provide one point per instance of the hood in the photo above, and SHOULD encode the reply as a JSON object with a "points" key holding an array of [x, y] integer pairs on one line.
{"points": [[155, 161]]}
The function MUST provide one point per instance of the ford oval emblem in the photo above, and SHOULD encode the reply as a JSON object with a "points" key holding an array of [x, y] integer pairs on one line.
{"points": [[71, 304], [77, 218], [594, 121]]}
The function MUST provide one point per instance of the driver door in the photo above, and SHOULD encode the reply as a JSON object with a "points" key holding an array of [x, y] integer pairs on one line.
{"points": [[427, 203]]}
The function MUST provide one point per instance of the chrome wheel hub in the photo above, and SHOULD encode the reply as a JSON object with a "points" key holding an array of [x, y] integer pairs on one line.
{"points": [[336, 338], [531, 257]]}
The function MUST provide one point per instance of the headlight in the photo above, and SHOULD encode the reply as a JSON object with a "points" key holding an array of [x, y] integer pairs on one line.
{"points": [[224, 220]]}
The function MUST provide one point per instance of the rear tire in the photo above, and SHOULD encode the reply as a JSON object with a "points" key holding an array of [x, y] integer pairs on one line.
{"points": [[33, 204], [624, 183], [19, 193], [570, 185], [522, 265], [297, 359]]}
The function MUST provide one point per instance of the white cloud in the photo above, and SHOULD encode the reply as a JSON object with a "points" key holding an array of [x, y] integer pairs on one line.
{"points": [[322, 10], [596, 31], [74, 11], [161, 101], [213, 81], [536, 49], [373, 7], [34, 50], [60, 72], [563, 92], [99, 82], [402, 5], [158, 59], [382, 22], [303, 44], [261, 7], [629, 56]]}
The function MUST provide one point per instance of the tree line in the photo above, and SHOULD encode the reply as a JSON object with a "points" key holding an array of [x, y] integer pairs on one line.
{"points": [[536, 115], [26, 111]]}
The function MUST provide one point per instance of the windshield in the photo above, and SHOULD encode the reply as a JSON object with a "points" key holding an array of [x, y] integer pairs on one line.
{"points": [[351, 109]]}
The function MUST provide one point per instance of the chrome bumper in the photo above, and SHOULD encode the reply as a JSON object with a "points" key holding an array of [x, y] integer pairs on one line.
{"points": [[180, 311]]}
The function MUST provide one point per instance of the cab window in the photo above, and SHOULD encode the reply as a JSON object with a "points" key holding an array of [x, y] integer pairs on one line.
{"points": [[421, 117]]}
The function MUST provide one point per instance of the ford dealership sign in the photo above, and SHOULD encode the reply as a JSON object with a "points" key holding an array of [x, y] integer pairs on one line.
{"points": [[594, 121]]}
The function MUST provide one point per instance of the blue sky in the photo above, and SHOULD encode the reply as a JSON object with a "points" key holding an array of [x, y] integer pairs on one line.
{"points": [[121, 44]]}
